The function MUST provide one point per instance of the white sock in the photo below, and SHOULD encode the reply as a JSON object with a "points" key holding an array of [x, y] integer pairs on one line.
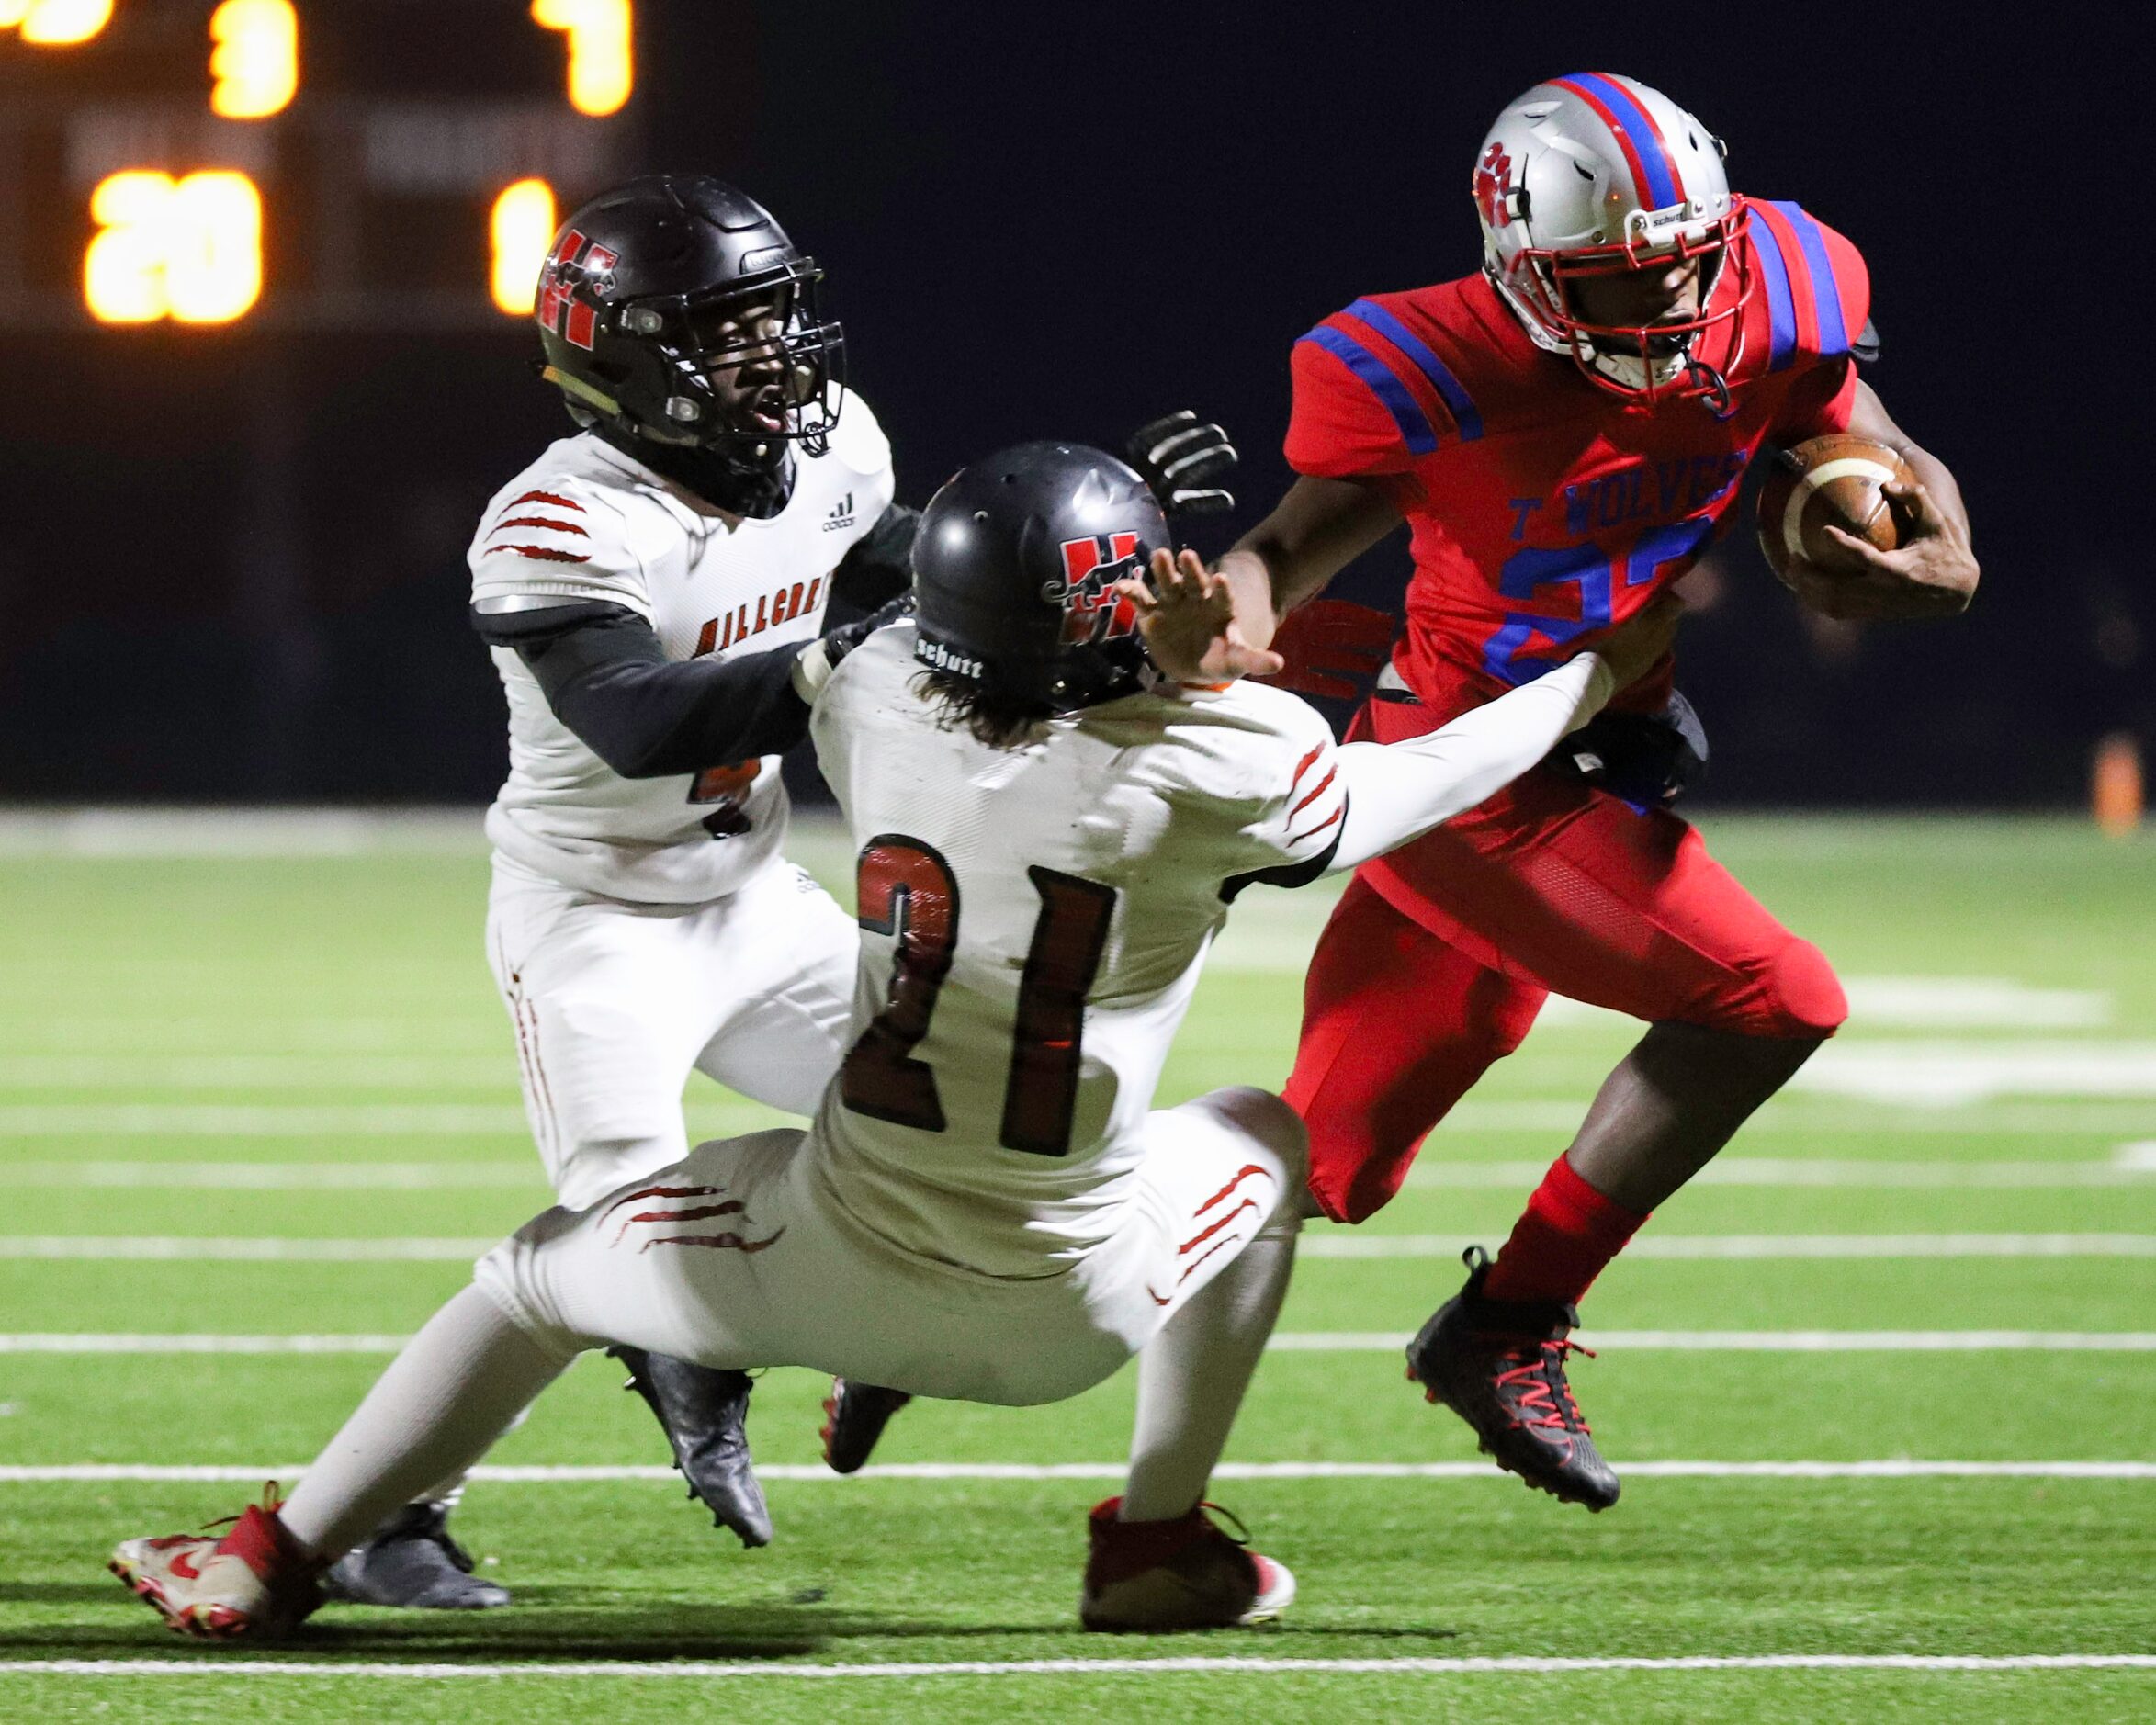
{"points": [[1192, 1374], [459, 1385]]}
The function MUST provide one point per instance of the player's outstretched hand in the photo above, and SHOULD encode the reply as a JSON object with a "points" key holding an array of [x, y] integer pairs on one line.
{"points": [[1188, 617], [1931, 573], [1637, 645]]}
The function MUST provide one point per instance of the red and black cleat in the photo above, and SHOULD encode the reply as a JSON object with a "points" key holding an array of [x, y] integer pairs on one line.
{"points": [[1499, 1364], [854, 1415]]}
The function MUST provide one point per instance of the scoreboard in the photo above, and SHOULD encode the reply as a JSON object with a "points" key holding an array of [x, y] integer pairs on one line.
{"points": [[357, 165]]}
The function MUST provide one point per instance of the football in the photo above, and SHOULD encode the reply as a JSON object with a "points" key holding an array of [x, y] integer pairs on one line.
{"points": [[1833, 481]]}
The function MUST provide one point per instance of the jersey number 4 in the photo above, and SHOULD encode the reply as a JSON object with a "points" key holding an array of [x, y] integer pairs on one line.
{"points": [[907, 892]]}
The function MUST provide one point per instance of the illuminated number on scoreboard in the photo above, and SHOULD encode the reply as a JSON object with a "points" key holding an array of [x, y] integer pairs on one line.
{"points": [[601, 62], [522, 229], [906, 890], [55, 23], [188, 249], [255, 62]]}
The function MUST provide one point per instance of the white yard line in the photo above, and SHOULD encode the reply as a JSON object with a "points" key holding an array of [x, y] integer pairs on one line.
{"points": [[211, 1120], [165, 1071], [189, 1248], [815, 1473], [363, 1119], [1357, 1242], [1329, 1242], [1938, 1074], [79, 1120], [281, 1177], [1774, 1341], [2122, 1169], [1287, 1341], [2132, 1165], [213, 1665], [241, 833]]}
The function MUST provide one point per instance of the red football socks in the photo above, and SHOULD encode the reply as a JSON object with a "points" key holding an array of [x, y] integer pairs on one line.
{"points": [[1562, 1238]]}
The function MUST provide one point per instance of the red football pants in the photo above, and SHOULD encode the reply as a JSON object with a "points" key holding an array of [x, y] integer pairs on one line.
{"points": [[1439, 955]]}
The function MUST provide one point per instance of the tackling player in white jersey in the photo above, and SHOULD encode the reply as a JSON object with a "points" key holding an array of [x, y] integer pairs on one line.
{"points": [[649, 589], [987, 1207]]}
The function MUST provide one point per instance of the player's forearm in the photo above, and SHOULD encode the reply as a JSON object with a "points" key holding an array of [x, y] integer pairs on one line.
{"points": [[1317, 529], [650, 717], [1397, 792]]}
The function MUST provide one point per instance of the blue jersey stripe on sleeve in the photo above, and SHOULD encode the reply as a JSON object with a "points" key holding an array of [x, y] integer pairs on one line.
{"points": [[1826, 293], [1448, 386], [1781, 309], [1407, 414]]}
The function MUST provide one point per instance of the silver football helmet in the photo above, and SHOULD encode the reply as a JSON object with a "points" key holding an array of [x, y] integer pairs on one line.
{"points": [[1593, 174]]}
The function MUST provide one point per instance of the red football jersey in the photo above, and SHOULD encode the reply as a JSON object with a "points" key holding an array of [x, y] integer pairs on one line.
{"points": [[1545, 510]]}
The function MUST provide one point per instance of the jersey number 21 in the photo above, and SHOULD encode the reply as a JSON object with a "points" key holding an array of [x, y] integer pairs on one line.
{"points": [[906, 890]]}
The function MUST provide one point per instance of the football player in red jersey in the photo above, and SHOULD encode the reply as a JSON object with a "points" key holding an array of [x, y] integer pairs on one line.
{"points": [[1564, 432]]}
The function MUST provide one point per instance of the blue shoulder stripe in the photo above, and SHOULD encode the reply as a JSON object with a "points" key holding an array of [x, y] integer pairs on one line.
{"points": [[1826, 293], [1448, 386], [1407, 414], [1781, 310]]}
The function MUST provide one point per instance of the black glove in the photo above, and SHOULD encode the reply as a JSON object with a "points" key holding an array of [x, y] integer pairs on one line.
{"points": [[1649, 760], [843, 640], [1181, 460], [814, 664]]}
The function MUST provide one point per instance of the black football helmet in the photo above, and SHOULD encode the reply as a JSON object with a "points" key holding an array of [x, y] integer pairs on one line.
{"points": [[655, 288], [1012, 569]]}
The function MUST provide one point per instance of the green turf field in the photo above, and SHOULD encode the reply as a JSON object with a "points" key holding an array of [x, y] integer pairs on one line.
{"points": [[257, 1098]]}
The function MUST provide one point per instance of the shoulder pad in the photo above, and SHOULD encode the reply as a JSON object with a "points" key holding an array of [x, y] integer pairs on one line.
{"points": [[1401, 368], [1818, 291]]}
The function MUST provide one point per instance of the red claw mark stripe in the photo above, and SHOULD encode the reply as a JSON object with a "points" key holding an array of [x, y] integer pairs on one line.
{"points": [[698, 1213], [547, 522], [723, 1242], [1303, 766], [1206, 1232], [1242, 1174], [1297, 838], [553, 497], [665, 1191], [1322, 785], [544, 554]]}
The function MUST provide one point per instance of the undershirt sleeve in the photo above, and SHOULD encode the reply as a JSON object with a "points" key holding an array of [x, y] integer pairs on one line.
{"points": [[606, 678]]}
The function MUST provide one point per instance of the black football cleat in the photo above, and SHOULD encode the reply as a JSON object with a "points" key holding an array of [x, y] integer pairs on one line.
{"points": [[1500, 1366], [854, 1415], [414, 1563], [705, 1413]]}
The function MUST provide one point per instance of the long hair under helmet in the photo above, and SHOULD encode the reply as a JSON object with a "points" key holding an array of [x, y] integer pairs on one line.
{"points": [[1594, 174]]}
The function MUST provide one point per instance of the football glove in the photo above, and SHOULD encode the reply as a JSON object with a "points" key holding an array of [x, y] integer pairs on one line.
{"points": [[813, 668], [1182, 461], [1649, 760]]}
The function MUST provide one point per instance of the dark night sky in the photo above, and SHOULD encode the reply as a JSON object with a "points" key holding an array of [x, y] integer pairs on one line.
{"points": [[1045, 221]]}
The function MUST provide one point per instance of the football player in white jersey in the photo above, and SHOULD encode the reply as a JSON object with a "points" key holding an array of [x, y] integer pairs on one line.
{"points": [[651, 589], [1051, 828]]}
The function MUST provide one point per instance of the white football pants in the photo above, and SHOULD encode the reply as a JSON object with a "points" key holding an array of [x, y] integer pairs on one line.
{"points": [[745, 1254], [614, 1003]]}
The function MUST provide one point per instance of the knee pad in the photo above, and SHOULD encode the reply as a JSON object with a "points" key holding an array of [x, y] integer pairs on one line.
{"points": [[1261, 1115], [1802, 996]]}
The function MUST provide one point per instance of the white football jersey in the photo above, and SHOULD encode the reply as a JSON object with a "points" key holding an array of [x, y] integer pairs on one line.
{"points": [[585, 521], [1033, 921]]}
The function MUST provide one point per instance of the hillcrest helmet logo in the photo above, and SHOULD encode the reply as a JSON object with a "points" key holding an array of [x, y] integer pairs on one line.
{"points": [[576, 263], [1493, 183], [1092, 611]]}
